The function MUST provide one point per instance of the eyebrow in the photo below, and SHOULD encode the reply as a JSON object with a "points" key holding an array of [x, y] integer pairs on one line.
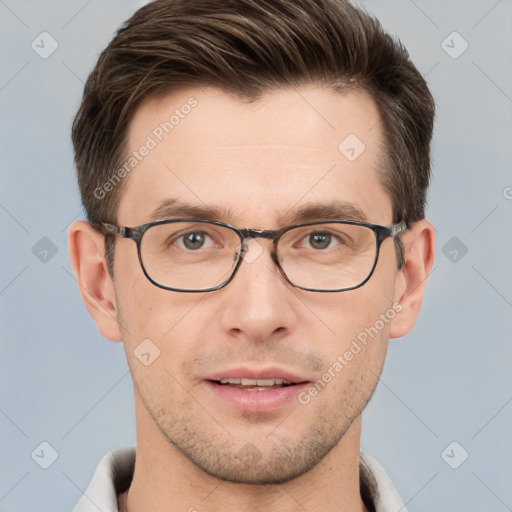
{"points": [[170, 208], [334, 210]]}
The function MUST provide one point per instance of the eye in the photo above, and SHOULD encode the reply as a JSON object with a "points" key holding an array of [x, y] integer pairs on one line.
{"points": [[319, 239], [194, 240]]}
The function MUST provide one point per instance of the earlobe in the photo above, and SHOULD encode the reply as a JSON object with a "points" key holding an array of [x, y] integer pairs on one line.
{"points": [[86, 249], [418, 244]]}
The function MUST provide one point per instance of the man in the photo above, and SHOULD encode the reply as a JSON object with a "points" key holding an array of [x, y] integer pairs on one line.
{"points": [[254, 175]]}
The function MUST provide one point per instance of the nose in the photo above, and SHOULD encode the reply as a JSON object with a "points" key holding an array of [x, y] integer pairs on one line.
{"points": [[258, 303]]}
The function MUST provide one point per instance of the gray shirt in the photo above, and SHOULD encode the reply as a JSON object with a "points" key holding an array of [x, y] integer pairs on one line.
{"points": [[115, 471]]}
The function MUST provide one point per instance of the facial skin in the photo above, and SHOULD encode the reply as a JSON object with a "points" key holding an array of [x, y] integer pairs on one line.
{"points": [[255, 162]]}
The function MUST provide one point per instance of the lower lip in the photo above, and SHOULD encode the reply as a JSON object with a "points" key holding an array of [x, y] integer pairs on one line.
{"points": [[257, 401]]}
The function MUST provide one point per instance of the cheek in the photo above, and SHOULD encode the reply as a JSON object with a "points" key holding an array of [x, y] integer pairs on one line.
{"points": [[162, 330], [360, 314], [144, 310], [358, 323], [358, 359]]}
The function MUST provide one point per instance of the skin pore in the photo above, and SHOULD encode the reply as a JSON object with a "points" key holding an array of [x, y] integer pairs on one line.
{"points": [[258, 165]]}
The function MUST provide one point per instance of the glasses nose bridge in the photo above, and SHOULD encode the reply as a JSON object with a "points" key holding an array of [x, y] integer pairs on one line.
{"points": [[268, 234]]}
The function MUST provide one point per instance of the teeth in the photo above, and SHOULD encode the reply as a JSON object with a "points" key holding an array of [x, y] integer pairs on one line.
{"points": [[256, 382]]}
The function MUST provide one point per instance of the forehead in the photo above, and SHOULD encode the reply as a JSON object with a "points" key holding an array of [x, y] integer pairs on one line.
{"points": [[254, 161]]}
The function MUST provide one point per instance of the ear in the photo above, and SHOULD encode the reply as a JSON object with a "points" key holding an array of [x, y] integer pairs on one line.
{"points": [[418, 243], [87, 249]]}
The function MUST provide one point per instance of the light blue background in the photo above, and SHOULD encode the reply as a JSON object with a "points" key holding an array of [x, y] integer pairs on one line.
{"points": [[449, 380]]}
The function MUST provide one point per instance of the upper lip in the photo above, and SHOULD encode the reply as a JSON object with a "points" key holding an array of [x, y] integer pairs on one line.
{"points": [[257, 374]]}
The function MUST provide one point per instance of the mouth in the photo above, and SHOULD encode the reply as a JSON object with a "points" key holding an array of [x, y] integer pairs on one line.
{"points": [[256, 391], [255, 384]]}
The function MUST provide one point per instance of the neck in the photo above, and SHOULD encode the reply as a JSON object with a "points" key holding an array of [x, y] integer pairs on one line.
{"points": [[165, 479]]}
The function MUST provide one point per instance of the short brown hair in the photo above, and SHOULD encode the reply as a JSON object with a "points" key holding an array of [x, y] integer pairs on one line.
{"points": [[248, 47]]}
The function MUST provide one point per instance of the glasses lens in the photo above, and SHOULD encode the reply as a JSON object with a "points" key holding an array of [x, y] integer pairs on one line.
{"points": [[189, 255], [329, 256]]}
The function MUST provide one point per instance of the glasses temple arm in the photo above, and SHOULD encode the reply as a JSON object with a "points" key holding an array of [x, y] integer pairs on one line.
{"points": [[398, 228], [124, 232]]}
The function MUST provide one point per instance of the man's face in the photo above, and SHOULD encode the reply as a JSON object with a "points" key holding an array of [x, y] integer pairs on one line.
{"points": [[256, 163]]}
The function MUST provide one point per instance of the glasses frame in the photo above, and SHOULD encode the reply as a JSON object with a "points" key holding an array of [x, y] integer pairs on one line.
{"points": [[136, 233]]}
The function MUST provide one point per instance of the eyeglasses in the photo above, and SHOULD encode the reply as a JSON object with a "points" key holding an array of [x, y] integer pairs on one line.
{"points": [[190, 255]]}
